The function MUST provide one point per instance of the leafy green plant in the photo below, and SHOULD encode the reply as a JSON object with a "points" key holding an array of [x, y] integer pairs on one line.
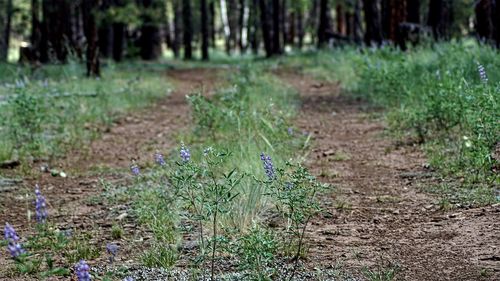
{"points": [[294, 190], [257, 250], [208, 192]]}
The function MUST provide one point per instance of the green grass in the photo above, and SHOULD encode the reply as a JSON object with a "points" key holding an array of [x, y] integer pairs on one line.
{"points": [[251, 117], [46, 111], [432, 95]]}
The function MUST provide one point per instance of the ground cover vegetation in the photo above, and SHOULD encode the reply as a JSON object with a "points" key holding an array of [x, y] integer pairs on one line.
{"points": [[444, 97]]}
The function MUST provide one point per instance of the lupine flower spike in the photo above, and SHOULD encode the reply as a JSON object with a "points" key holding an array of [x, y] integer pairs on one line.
{"points": [[10, 234], [82, 270], [268, 166], [134, 168], [40, 206], [14, 247], [111, 249], [482, 73], [159, 159], [185, 154]]}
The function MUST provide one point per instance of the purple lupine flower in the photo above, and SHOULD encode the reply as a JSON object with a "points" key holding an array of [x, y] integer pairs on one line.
{"points": [[15, 249], [159, 159], [185, 154], [134, 168], [111, 249], [40, 206], [10, 233], [268, 166], [288, 185], [128, 279], [290, 131], [82, 270], [482, 73]]}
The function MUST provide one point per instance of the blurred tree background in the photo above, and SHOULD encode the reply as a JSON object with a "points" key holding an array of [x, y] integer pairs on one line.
{"points": [[53, 31]]}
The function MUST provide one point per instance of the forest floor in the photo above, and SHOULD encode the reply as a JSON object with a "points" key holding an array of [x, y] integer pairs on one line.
{"points": [[378, 220]]}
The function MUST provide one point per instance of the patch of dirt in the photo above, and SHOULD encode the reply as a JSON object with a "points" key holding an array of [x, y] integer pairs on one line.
{"points": [[135, 136], [378, 218]]}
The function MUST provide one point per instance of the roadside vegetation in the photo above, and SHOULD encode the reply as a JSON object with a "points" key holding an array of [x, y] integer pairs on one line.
{"points": [[46, 111], [444, 97]]}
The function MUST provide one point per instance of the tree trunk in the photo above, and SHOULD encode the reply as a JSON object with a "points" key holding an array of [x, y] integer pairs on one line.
{"points": [[266, 27], [105, 32], [204, 30], [75, 33], [177, 28], [497, 23], [188, 29], [357, 24], [313, 20], [254, 27], [484, 25], [413, 11], [44, 38], [225, 25], [56, 30], [36, 31], [341, 20], [118, 41], [394, 14], [150, 40], [212, 23], [323, 23], [349, 24], [168, 27], [244, 27], [106, 40], [276, 28], [440, 15], [90, 29], [233, 14], [4, 46], [373, 34], [292, 28], [300, 28], [241, 14], [283, 25]]}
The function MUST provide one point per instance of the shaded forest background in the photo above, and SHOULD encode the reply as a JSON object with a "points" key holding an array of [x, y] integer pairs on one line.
{"points": [[54, 31]]}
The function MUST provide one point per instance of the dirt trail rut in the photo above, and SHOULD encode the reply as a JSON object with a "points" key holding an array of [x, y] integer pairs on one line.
{"points": [[378, 217], [135, 136]]}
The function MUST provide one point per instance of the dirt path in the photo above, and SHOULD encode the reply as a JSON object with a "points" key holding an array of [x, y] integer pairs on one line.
{"points": [[379, 218], [136, 136]]}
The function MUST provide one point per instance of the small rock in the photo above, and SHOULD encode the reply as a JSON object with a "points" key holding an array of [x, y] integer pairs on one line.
{"points": [[329, 152], [122, 216]]}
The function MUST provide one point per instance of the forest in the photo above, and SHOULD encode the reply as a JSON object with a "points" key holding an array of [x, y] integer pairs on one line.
{"points": [[250, 140]]}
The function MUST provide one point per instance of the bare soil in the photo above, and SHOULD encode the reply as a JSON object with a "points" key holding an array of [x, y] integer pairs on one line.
{"points": [[379, 218]]}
